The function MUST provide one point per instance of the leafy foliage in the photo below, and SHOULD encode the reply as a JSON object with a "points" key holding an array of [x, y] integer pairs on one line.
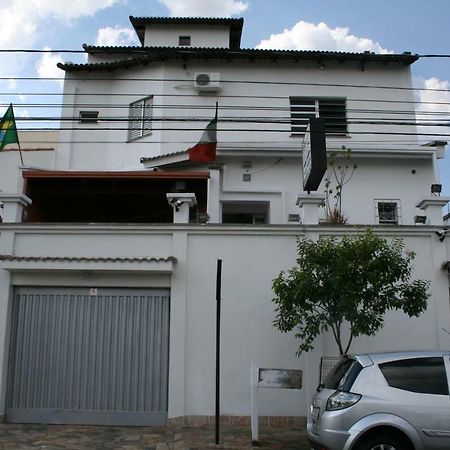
{"points": [[346, 283]]}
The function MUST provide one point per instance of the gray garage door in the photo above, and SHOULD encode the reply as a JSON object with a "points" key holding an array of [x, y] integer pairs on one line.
{"points": [[89, 357]]}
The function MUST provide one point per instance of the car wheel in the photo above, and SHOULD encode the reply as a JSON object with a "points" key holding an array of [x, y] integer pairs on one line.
{"points": [[383, 442]]}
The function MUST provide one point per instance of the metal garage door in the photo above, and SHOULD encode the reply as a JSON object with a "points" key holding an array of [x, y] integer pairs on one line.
{"points": [[89, 359]]}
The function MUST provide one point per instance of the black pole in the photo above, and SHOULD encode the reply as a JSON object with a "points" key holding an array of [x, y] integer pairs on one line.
{"points": [[218, 292]]}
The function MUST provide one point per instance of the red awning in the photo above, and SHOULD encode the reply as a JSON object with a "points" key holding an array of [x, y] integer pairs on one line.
{"points": [[144, 174]]}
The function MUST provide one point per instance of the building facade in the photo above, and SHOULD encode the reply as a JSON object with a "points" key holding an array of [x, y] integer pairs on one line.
{"points": [[108, 256]]}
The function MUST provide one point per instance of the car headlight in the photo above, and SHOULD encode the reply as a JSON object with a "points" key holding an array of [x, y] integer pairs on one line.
{"points": [[342, 400]]}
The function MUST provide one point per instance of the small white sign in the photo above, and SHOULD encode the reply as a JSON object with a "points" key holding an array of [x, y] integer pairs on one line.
{"points": [[93, 292], [269, 378], [280, 378]]}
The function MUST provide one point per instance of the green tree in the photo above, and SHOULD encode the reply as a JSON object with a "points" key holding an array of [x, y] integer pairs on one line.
{"points": [[338, 175], [346, 285]]}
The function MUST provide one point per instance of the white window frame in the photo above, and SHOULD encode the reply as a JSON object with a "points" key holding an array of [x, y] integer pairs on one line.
{"points": [[398, 210], [140, 118], [312, 107]]}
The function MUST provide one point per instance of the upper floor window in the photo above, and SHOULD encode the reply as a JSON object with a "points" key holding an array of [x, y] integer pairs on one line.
{"points": [[140, 118], [387, 212], [332, 110], [184, 41], [88, 117]]}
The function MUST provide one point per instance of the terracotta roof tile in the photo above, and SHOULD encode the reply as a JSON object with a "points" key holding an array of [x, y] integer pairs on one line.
{"points": [[145, 55], [87, 259]]}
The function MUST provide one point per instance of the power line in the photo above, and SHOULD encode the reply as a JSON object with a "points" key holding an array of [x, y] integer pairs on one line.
{"points": [[100, 51], [255, 82], [243, 119], [254, 97], [336, 142], [227, 130], [125, 106]]}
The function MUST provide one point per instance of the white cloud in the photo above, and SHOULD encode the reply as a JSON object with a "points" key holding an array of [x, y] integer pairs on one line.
{"points": [[62, 11], [210, 8], [25, 17], [116, 36], [46, 66], [22, 21], [433, 106], [308, 36]]}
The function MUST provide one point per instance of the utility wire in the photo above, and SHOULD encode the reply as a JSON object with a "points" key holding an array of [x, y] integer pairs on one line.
{"points": [[286, 109], [186, 144], [196, 96], [251, 82], [136, 49], [241, 119], [228, 130]]}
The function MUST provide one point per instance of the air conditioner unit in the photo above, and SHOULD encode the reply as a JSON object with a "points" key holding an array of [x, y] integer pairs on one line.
{"points": [[207, 81]]}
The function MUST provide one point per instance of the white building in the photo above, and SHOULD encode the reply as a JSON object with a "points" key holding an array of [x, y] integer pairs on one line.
{"points": [[107, 291]]}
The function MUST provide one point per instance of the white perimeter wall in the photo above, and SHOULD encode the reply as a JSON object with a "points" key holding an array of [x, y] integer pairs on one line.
{"points": [[252, 257]]}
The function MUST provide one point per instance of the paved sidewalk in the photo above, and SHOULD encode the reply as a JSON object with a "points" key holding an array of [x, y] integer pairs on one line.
{"points": [[70, 437], [239, 438]]}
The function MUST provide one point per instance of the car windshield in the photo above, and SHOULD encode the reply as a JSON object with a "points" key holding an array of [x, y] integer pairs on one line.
{"points": [[343, 374]]}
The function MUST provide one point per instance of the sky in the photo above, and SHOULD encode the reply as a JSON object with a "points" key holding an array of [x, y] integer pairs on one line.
{"points": [[381, 26]]}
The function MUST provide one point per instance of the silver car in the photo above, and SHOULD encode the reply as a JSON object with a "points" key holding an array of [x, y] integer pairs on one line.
{"points": [[384, 401]]}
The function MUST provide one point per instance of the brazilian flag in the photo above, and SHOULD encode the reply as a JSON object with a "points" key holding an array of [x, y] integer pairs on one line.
{"points": [[8, 130]]}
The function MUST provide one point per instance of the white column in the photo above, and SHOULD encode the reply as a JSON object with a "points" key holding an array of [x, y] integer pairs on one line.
{"points": [[13, 205], [213, 209], [7, 238], [178, 317], [309, 207], [432, 207], [181, 202]]}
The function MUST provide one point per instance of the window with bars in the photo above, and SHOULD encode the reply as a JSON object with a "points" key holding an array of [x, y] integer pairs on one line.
{"points": [[332, 110], [140, 118], [387, 212], [88, 117]]}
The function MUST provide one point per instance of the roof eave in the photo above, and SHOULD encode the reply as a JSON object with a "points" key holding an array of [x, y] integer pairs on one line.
{"points": [[150, 54]]}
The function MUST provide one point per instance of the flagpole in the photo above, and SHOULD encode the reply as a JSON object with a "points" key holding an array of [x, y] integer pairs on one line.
{"points": [[20, 152], [218, 295]]}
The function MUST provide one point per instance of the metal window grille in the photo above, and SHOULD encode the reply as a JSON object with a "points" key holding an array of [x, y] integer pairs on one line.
{"points": [[387, 213], [302, 109], [326, 364], [88, 117], [332, 110], [140, 118]]}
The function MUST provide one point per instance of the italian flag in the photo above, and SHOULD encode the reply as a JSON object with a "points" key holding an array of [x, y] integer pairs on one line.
{"points": [[205, 149]]}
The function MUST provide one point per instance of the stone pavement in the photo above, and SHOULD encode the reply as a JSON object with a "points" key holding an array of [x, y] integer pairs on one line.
{"points": [[71, 437]]}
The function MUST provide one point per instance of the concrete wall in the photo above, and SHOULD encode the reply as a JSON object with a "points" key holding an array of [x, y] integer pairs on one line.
{"points": [[252, 257], [390, 167], [172, 86], [164, 35], [37, 153]]}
